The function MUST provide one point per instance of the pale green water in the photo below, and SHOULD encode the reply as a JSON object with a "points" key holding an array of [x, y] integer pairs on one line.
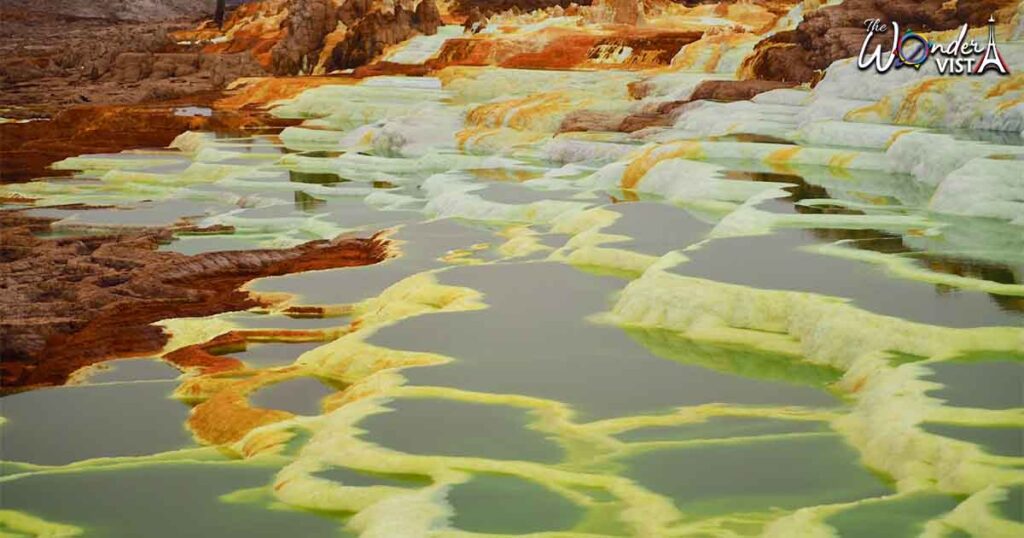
{"points": [[562, 392]]}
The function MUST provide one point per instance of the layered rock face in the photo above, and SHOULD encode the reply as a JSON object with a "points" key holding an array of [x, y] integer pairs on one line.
{"points": [[48, 63], [836, 32], [308, 23], [125, 10], [316, 36], [371, 29], [72, 302], [490, 7]]}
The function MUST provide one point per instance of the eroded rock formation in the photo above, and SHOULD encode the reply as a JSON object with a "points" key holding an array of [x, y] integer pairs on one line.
{"points": [[662, 114], [125, 10], [317, 36], [371, 29], [70, 302], [48, 63], [490, 7], [308, 24], [735, 90]]}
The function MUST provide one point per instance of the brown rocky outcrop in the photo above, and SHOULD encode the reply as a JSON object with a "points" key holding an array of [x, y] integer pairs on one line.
{"points": [[664, 114], [591, 120], [124, 10], [308, 23], [291, 37], [475, 21], [655, 115], [836, 32], [490, 7], [61, 47], [735, 90], [70, 302], [371, 30], [48, 63]]}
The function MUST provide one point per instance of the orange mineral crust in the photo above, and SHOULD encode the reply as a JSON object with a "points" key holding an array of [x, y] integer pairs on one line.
{"points": [[564, 48], [317, 36], [220, 392]]}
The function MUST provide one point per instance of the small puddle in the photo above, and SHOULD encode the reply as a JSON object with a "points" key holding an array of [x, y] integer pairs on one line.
{"points": [[134, 501], [985, 384], [357, 478], [126, 370], [250, 320], [655, 228], [534, 339], [428, 426], [501, 504], [57, 426], [775, 262], [756, 476], [422, 246], [722, 428], [901, 518], [999, 441], [273, 354], [302, 396]]}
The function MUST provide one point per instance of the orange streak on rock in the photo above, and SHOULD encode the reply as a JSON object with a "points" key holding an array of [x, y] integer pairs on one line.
{"points": [[27, 149], [783, 156], [562, 52], [260, 92], [562, 48], [227, 416], [780, 160], [654, 155], [1013, 83], [223, 414], [203, 357], [908, 109]]}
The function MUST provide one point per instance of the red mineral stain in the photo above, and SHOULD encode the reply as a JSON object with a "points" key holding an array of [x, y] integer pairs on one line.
{"points": [[28, 149]]}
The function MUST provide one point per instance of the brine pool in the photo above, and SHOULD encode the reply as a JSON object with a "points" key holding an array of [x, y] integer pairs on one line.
{"points": [[590, 334]]}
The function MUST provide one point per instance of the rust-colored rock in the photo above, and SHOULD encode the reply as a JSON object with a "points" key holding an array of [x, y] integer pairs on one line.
{"points": [[643, 120], [475, 21], [71, 302], [664, 114], [214, 356], [560, 48], [624, 11], [290, 37], [28, 149], [490, 7], [377, 69], [224, 414], [208, 357], [308, 24], [591, 120], [372, 30], [259, 93]]}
